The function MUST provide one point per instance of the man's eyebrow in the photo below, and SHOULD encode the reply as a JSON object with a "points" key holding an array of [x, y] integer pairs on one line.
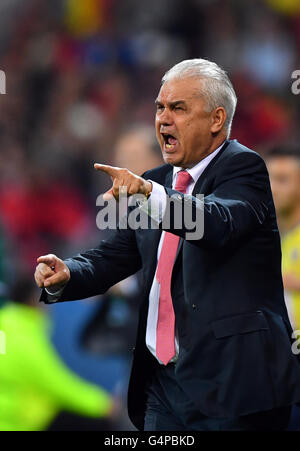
{"points": [[172, 104], [176, 103]]}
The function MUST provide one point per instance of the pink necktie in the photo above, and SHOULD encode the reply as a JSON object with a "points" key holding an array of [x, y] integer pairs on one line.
{"points": [[165, 331]]}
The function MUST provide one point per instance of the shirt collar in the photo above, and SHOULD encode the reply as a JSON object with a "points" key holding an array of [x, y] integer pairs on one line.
{"points": [[197, 170]]}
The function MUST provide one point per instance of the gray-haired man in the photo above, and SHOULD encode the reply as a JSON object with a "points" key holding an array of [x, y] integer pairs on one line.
{"points": [[213, 346]]}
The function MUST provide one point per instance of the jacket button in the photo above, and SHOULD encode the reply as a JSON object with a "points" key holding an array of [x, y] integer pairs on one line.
{"points": [[194, 306]]}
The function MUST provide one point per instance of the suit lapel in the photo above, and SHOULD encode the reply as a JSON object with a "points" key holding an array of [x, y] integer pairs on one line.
{"points": [[199, 185], [169, 178]]}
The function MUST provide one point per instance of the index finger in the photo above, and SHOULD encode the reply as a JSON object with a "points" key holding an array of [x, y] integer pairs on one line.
{"points": [[110, 170], [48, 259]]}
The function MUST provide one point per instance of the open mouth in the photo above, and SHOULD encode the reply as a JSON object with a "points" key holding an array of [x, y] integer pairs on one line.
{"points": [[170, 141]]}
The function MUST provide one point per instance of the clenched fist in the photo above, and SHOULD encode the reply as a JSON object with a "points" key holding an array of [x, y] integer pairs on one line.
{"points": [[52, 272]]}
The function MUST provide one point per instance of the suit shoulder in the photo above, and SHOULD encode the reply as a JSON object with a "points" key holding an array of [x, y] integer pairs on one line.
{"points": [[239, 153]]}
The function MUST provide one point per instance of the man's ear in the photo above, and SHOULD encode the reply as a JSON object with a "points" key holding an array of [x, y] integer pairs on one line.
{"points": [[218, 119]]}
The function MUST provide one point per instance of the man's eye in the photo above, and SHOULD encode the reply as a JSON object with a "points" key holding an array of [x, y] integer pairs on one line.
{"points": [[179, 108], [159, 107]]}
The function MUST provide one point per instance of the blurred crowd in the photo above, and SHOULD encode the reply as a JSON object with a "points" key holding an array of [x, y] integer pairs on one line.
{"points": [[81, 80]]}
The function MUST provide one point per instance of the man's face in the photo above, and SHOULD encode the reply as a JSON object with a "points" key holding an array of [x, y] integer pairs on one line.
{"points": [[285, 183], [183, 127]]}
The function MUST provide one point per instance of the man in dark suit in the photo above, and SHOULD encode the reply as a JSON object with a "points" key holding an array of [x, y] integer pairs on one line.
{"points": [[213, 347]]}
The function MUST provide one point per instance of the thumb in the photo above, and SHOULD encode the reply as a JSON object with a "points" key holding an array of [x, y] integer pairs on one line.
{"points": [[108, 194]]}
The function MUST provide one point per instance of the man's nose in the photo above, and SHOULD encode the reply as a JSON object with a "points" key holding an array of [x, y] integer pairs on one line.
{"points": [[165, 117]]}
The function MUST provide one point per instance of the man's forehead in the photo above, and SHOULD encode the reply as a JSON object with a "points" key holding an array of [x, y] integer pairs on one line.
{"points": [[180, 89]]}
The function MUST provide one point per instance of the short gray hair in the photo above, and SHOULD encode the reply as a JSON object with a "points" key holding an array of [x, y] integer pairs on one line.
{"points": [[218, 89]]}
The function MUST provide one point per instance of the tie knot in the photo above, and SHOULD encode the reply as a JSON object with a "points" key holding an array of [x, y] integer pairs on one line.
{"points": [[183, 180]]}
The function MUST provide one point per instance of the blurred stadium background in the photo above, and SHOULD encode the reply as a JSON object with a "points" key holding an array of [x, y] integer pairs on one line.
{"points": [[81, 79]]}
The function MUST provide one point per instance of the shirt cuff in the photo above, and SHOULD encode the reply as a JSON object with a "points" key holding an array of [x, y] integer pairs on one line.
{"points": [[155, 205], [53, 296]]}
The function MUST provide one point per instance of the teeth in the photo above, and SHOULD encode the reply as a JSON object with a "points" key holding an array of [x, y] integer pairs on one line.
{"points": [[169, 146]]}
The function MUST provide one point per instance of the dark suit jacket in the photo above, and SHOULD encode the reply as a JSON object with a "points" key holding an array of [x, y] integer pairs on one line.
{"points": [[235, 353]]}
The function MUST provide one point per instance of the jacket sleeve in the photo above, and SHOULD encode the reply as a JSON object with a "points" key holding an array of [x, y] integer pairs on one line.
{"points": [[237, 206], [94, 271]]}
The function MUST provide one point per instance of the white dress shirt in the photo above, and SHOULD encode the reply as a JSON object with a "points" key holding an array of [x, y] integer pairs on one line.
{"points": [[158, 204]]}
